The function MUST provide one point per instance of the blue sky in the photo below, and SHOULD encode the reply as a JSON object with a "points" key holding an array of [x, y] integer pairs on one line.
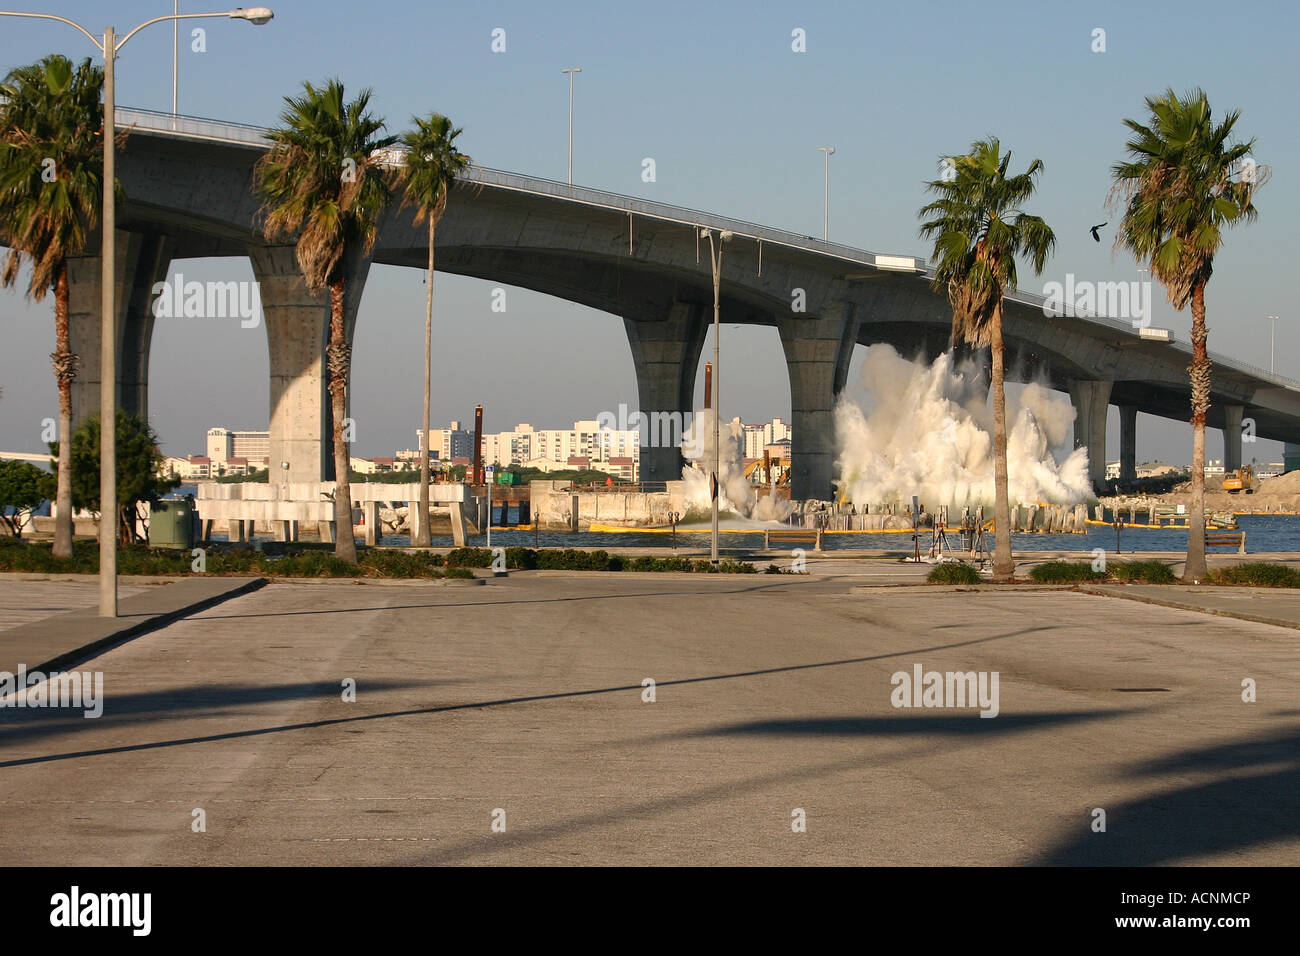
{"points": [[732, 117]]}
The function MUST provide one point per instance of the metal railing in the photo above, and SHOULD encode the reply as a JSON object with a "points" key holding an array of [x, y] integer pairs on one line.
{"points": [[195, 127], [191, 126], [620, 487]]}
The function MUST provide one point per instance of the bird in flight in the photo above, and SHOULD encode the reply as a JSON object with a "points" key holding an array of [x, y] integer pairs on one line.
{"points": [[1093, 230]]}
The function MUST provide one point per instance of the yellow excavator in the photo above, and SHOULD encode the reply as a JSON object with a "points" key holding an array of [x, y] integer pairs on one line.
{"points": [[1243, 479], [780, 467]]}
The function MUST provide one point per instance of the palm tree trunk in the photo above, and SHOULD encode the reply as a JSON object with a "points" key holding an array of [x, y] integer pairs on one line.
{"points": [[422, 538], [339, 360], [1003, 566], [1195, 569], [65, 370]]}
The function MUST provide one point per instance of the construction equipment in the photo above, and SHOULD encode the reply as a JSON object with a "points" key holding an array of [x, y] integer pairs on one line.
{"points": [[1243, 479], [761, 468]]}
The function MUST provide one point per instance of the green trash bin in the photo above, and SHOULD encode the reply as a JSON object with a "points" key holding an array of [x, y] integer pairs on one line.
{"points": [[171, 524]]}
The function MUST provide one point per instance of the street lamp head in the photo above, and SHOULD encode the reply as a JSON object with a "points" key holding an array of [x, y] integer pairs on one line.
{"points": [[725, 235], [705, 232], [255, 15]]}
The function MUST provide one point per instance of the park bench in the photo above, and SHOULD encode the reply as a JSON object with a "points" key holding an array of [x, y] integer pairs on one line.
{"points": [[785, 537], [1226, 539]]}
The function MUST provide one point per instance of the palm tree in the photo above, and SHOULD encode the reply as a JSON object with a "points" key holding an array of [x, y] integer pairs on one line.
{"points": [[432, 163], [323, 181], [51, 176], [978, 230], [1182, 185]]}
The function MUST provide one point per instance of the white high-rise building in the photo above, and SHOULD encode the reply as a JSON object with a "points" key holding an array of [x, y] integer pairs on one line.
{"points": [[454, 441], [768, 433], [612, 451], [224, 444]]}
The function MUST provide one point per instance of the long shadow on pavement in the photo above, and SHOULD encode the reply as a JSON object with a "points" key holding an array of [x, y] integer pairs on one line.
{"points": [[23, 725], [1254, 799], [509, 601], [475, 705], [902, 724]]}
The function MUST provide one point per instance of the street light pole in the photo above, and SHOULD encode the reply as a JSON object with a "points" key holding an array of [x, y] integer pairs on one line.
{"points": [[1272, 335], [826, 217], [571, 71], [715, 258], [176, 58], [108, 48], [108, 347]]}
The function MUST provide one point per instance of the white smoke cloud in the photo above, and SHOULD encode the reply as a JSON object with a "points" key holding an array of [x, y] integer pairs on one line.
{"points": [[912, 429], [737, 497]]}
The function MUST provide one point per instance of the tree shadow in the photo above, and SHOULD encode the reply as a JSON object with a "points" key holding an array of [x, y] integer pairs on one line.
{"points": [[20, 726], [1254, 799], [918, 726], [64, 723]]}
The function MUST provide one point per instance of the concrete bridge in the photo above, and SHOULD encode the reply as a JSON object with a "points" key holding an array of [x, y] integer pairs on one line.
{"points": [[188, 186]]}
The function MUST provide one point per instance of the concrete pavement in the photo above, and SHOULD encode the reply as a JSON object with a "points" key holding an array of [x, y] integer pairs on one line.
{"points": [[39, 640], [772, 696]]}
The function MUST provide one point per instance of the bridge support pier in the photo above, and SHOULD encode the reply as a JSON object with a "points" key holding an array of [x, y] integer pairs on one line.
{"points": [[1232, 437], [1128, 442], [1091, 399], [666, 352], [817, 355], [142, 260], [297, 328], [297, 333]]}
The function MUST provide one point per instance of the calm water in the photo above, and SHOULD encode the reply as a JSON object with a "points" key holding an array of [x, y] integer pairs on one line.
{"points": [[1263, 533]]}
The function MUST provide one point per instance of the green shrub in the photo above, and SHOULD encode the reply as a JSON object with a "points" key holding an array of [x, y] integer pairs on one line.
{"points": [[572, 560], [953, 572], [469, 558], [732, 567], [1260, 574], [401, 564], [458, 573], [1150, 571], [649, 563], [1059, 572], [236, 561], [36, 557], [314, 564], [524, 559]]}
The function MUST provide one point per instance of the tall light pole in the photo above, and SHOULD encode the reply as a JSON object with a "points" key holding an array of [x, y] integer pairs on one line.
{"points": [[715, 257], [176, 58], [1272, 335], [571, 71], [108, 48], [826, 218]]}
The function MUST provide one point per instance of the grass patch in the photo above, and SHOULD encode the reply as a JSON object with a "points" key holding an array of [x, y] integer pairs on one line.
{"points": [[952, 572], [1148, 572], [1258, 574]]}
